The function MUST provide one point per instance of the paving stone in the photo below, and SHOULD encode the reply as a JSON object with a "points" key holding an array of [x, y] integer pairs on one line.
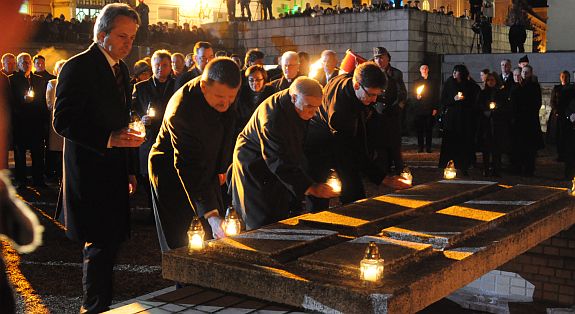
{"points": [[220, 303], [343, 259], [274, 244], [371, 215], [200, 298], [132, 308], [178, 294], [448, 226], [247, 306]]}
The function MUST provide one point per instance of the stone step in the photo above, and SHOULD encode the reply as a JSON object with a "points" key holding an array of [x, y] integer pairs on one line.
{"points": [[274, 244], [371, 215], [343, 259], [454, 224]]}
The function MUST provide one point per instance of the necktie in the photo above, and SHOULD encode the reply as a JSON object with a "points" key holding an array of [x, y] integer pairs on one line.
{"points": [[119, 79]]}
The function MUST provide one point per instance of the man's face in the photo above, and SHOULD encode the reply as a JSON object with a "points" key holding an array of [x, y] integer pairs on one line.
{"points": [[40, 65], [9, 64], [25, 64], [367, 96], [424, 70], [290, 67], [522, 64], [382, 61], [564, 78], [329, 63], [526, 73], [219, 96], [306, 106], [482, 76], [177, 63], [203, 56], [505, 66], [118, 43], [161, 67]]}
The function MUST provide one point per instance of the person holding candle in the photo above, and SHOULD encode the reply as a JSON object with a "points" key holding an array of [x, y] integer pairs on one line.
{"points": [[459, 117], [30, 119], [426, 103], [149, 100], [337, 136], [191, 151], [92, 114], [525, 99], [494, 120], [268, 169]]}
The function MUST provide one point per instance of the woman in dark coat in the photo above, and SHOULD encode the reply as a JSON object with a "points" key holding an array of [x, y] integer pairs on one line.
{"points": [[527, 138], [459, 119], [252, 94], [494, 118]]}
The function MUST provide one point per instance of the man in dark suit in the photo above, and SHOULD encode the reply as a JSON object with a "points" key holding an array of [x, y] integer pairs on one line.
{"points": [[329, 68], [30, 120], [192, 152], [203, 53], [337, 135], [149, 100], [268, 173], [506, 76], [92, 114], [290, 70], [40, 68]]}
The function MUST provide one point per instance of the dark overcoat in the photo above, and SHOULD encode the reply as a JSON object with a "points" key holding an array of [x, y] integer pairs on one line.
{"points": [[150, 93], [192, 148], [268, 163], [89, 106], [29, 119]]}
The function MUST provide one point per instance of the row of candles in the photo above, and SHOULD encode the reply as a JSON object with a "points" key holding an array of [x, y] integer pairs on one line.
{"points": [[371, 266]]}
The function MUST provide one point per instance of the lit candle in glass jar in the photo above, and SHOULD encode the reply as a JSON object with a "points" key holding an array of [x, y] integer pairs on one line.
{"points": [[460, 95], [196, 235], [371, 266], [492, 105], [450, 172], [151, 112], [333, 181], [419, 90], [232, 224], [406, 176]]}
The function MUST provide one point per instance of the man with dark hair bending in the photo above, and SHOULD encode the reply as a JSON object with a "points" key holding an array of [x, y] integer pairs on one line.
{"points": [[193, 147]]}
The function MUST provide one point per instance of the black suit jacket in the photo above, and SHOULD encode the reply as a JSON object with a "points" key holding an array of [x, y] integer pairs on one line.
{"points": [[29, 119], [194, 146], [186, 77], [89, 106], [268, 168]]}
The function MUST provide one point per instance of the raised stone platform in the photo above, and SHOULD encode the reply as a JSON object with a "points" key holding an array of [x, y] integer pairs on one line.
{"points": [[321, 275]]}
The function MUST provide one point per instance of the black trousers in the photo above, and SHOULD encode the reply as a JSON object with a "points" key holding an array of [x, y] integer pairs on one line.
{"points": [[517, 47], [231, 10], [97, 276], [424, 128], [246, 6], [267, 7], [36, 148]]}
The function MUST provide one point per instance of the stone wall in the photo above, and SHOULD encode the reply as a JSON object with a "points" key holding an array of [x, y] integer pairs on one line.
{"points": [[410, 36]]}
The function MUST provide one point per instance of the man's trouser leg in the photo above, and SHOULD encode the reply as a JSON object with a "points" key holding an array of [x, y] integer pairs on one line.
{"points": [[97, 276]]}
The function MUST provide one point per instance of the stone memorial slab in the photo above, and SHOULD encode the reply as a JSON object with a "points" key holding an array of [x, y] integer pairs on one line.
{"points": [[450, 225], [274, 244], [343, 259], [369, 216]]}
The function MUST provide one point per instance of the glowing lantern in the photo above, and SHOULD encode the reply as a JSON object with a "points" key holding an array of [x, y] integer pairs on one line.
{"points": [[371, 266], [406, 176], [196, 235], [492, 105], [450, 172], [232, 225], [572, 191], [30, 93], [333, 181]]}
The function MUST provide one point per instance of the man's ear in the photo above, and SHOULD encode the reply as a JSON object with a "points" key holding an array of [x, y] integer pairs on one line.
{"points": [[100, 37], [294, 98], [355, 85]]}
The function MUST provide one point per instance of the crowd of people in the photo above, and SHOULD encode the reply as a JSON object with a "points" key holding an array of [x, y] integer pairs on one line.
{"points": [[203, 131]]}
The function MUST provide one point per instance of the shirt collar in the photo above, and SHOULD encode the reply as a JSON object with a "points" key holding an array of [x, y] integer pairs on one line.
{"points": [[111, 60]]}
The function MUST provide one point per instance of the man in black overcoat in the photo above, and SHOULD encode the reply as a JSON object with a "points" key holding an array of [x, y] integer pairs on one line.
{"points": [[203, 53], [30, 118], [268, 166], [191, 152], [92, 114], [506, 76], [290, 69], [149, 100], [337, 136]]}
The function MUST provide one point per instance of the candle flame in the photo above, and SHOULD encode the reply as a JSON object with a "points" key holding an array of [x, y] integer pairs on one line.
{"points": [[420, 89]]}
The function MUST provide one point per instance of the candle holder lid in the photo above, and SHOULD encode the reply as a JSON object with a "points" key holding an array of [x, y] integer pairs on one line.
{"points": [[372, 251]]}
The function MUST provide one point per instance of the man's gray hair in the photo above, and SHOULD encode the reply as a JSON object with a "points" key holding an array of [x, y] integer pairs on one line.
{"points": [[326, 53], [162, 54], [289, 55], [305, 86], [105, 21], [22, 55]]}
